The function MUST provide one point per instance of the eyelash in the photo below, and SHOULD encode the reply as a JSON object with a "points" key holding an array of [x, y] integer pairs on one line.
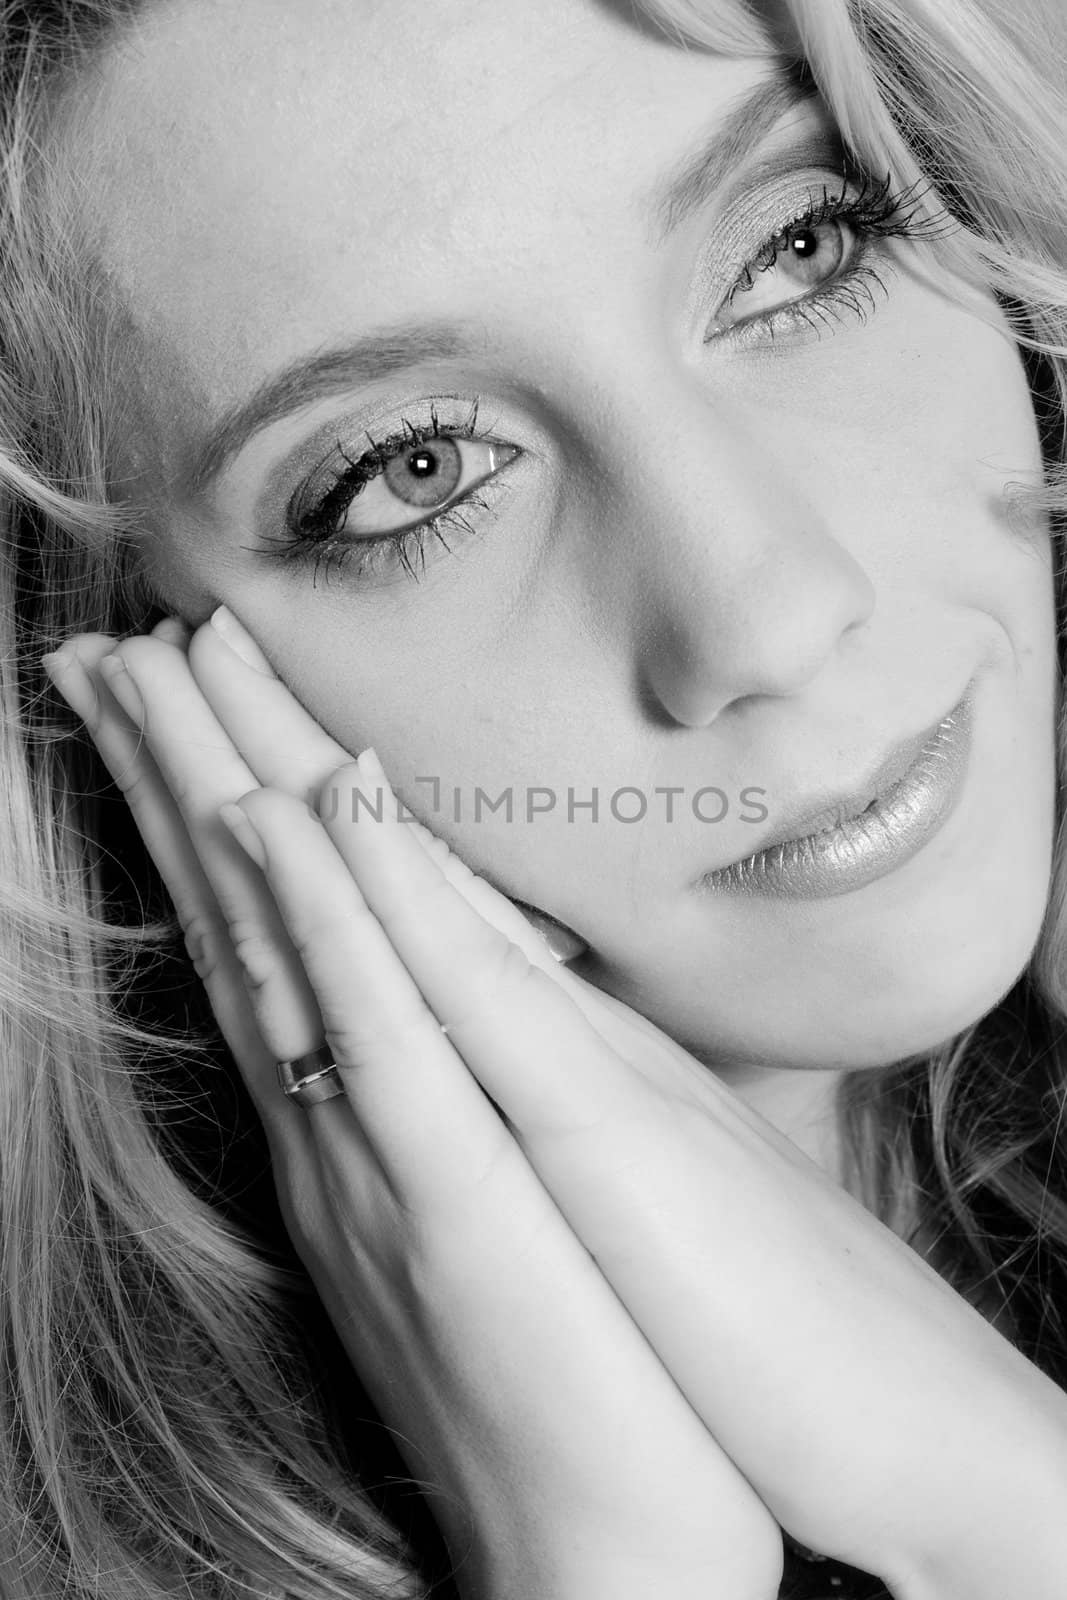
{"points": [[873, 211], [326, 545]]}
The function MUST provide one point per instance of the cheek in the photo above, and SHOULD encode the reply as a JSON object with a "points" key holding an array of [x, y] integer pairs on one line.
{"points": [[907, 452], [446, 720], [958, 416], [970, 429], [972, 443], [452, 707], [498, 752], [930, 434]]}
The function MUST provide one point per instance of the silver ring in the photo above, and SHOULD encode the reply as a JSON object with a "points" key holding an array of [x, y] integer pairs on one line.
{"points": [[309, 1078]]}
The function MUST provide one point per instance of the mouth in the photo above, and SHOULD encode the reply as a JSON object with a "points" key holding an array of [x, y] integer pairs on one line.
{"points": [[836, 844]]}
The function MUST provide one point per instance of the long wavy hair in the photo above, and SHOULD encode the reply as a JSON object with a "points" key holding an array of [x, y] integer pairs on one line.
{"points": [[174, 1418]]}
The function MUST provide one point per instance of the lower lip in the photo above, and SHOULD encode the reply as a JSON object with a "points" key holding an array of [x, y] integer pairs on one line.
{"points": [[881, 839]]}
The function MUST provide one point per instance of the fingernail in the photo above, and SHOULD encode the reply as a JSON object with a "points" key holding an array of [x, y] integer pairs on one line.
{"points": [[244, 833], [240, 641], [70, 679], [57, 662], [172, 630], [368, 763], [375, 784], [114, 673], [563, 942]]}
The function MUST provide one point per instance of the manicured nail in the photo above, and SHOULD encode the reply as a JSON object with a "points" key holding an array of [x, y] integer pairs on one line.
{"points": [[58, 662], [172, 630], [563, 942], [374, 782], [114, 673], [369, 765], [71, 680], [240, 641], [244, 833]]}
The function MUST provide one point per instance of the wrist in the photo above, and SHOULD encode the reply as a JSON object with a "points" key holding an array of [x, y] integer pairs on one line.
{"points": [[1006, 1535]]}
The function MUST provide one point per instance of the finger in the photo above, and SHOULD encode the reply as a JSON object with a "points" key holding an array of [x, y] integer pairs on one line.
{"points": [[123, 749], [203, 771], [523, 1037], [279, 741], [633, 1036], [423, 1112], [283, 744], [200, 770], [172, 630], [614, 1021], [126, 755], [239, 990], [287, 749]]}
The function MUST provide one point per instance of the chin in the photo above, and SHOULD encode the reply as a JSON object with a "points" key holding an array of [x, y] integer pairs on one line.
{"points": [[862, 981], [921, 1012], [902, 967], [952, 960], [890, 998]]}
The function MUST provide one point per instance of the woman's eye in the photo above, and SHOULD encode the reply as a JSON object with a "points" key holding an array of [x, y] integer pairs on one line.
{"points": [[802, 258], [399, 483]]}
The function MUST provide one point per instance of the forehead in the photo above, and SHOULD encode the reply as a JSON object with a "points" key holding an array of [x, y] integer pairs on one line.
{"points": [[265, 178]]}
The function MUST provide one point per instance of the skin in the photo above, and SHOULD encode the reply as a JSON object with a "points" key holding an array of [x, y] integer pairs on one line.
{"points": [[710, 564], [626, 1225], [811, 560]]}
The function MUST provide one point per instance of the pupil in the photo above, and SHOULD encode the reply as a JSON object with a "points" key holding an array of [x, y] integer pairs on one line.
{"points": [[424, 474], [805, 243]]}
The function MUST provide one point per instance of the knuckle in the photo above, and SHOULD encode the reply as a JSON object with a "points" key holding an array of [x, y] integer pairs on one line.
{"points": [[274, 809], [192, 795], [511, 971], [437, 904], [333, 797], [430, 906], [144, 653], [455, 867], [89, 649], [509, 976], [347, 773], [133, 783], [205, 942], [322, 936], [409, 1028], [256, 952]]}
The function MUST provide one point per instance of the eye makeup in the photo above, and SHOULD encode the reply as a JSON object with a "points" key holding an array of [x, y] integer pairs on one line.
{"points": [[420, 463], [859, 214], [406, 459]]}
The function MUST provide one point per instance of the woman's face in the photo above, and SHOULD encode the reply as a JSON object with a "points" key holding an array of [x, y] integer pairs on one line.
{"points": [[738, 513]]}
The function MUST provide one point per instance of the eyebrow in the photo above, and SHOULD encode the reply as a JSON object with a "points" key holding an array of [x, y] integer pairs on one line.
{"points": [[731, 141], [378, 355], [318, 377]]}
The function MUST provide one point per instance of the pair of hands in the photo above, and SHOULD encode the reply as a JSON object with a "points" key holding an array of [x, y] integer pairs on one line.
{"points": [[621, 1324]]}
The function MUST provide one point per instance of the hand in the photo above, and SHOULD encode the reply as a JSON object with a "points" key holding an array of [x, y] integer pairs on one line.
{"points": [[880, 1418], [567, 1461]]}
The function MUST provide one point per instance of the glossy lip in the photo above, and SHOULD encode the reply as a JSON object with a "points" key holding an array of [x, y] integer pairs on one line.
{"points": [[835, 846]]}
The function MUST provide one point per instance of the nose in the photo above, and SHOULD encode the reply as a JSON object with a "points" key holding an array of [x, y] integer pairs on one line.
{"points": [[743, 588]]}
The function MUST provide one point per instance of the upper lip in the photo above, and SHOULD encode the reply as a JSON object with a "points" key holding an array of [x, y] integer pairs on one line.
{"points": [[814, 813]]}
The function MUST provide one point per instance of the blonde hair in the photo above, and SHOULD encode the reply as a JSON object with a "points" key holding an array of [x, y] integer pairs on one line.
{"points": [[161, 1428]]}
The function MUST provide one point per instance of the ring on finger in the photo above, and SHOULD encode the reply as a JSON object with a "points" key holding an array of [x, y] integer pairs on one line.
{"points": [[312, 1077]]}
